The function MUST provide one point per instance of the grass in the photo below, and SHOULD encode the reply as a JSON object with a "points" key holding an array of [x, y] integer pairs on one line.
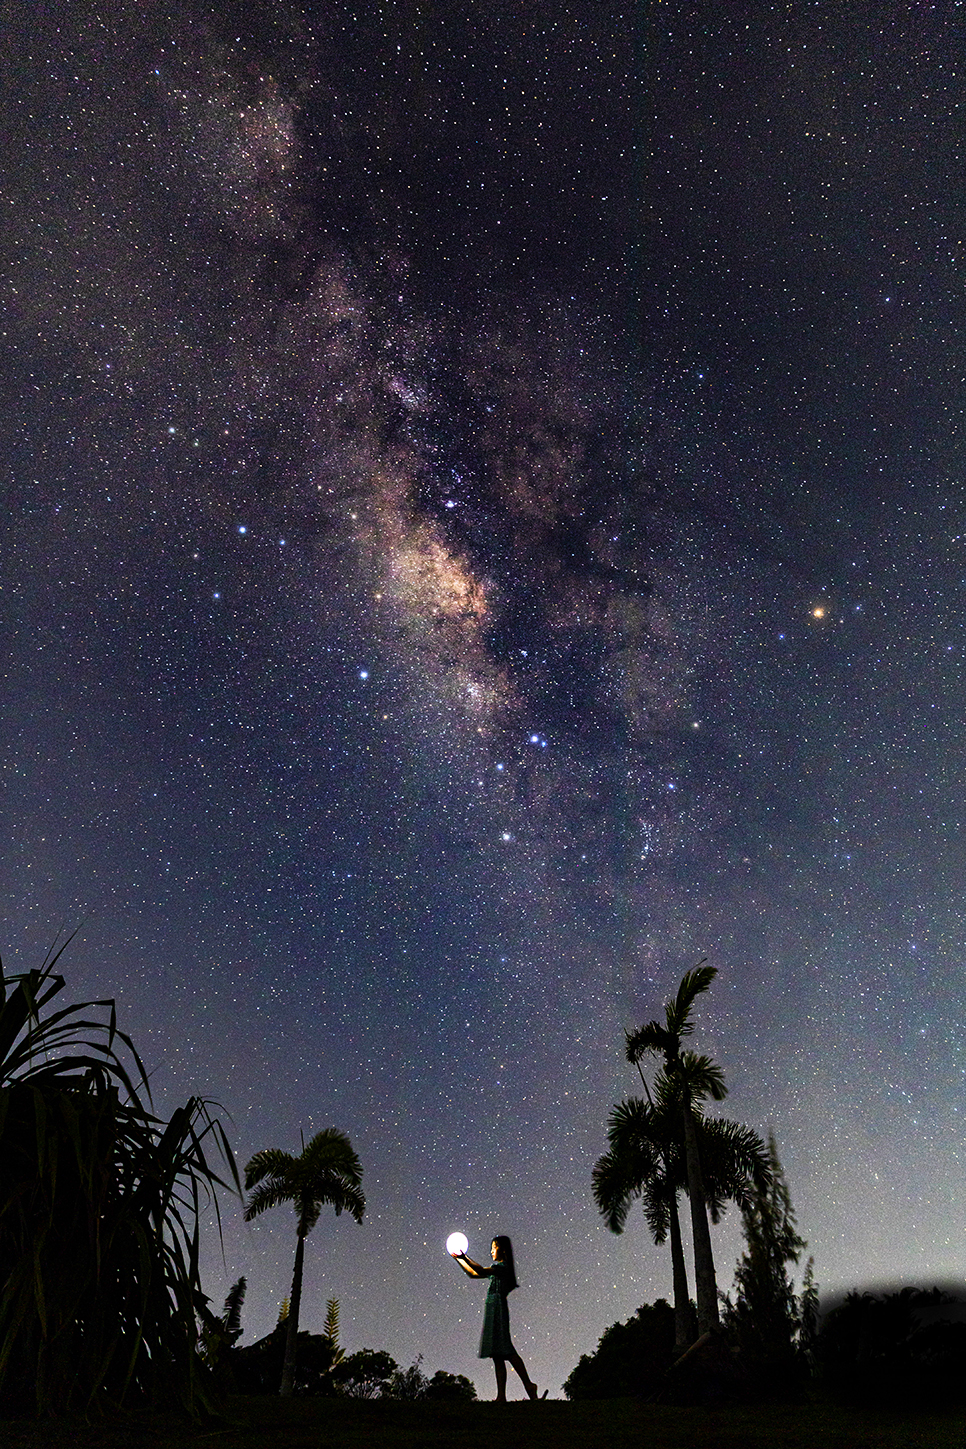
{"points": [[608, 1424]]}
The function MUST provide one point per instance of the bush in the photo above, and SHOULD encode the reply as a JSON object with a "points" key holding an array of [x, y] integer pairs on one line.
{"points": [[895, 1348], [451, 1387], [631, 1358], [365, 1374], [257, 1368]]}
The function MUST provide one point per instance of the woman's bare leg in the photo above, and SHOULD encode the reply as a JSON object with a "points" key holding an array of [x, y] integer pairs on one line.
{"points": [[499, 1366], [521, 1369]]}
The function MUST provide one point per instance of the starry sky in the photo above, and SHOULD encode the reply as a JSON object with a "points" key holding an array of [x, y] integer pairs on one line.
{"points": [[484, 528]]}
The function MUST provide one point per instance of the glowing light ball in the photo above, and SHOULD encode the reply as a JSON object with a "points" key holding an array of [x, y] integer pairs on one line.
{"points": [[457, 1243]]}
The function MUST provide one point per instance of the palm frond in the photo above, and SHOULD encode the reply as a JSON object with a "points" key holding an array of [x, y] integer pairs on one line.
{"points": [[330, 1329], [231, 1316], [700, 1076], [735, 1161], [656, 1200], [648, 1039], [266, 1195], [678, 1012], [615, 1185], [270, 1162], [645, 1160]]}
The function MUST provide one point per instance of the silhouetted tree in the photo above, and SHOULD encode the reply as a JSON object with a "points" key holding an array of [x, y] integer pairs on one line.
{"points": [[99, 1202], [904, 1347], [630, 1359], [219, 1335], [258, 1366], [451, 1387], [326, 1171], [647, 1160], [407, 1384], [644, 1161], [771, 1325], [691, 1079], [365, 1373]]}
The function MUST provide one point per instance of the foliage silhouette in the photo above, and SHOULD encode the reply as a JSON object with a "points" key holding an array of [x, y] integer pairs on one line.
{"points": [[902, 1348], [646, 1159], [688, 1079], [407, 1384], [330, 1329], [99, 1204], [630, 1359], [257, 1367], [451, 1388], [326, 1171], [365, 1374], [771, 1326], [219, 1336], [323, 1371]]}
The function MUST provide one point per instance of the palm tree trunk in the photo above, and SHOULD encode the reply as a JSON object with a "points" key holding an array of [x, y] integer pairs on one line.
{"points": [[705, 1283], [683, 1326], [292, 1327]]}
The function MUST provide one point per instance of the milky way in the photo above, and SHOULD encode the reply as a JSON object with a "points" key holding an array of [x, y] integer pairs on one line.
{"points": [[485, 531]]}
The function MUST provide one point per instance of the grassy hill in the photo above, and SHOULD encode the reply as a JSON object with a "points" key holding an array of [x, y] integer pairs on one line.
{"points": [[606, 1424]]}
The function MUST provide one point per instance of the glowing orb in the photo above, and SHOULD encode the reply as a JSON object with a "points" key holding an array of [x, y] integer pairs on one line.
{"points": [[457, 1243]]}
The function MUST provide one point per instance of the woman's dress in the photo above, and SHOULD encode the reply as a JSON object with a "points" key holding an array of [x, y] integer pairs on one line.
{"points": [[495, 1338]]}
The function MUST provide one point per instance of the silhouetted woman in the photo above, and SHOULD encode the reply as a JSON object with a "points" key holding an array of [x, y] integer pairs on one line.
{"points": [[495, 1339]]}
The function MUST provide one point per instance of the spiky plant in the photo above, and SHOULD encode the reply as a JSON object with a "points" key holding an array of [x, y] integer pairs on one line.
{"points": [[330, 1330], [99, 1208], [231, 1317]]}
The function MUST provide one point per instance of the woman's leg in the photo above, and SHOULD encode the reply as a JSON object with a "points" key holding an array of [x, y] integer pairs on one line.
{"points": [[499, 1366], [521, 1369]]}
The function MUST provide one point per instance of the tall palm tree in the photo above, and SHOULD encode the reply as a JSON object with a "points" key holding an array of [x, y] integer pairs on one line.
{"points": [[691, 1078], [646, 1159], [326, 1171]]}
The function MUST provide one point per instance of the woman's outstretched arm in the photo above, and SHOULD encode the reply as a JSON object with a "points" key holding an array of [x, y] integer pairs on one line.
{"points": [[474, 1270]]}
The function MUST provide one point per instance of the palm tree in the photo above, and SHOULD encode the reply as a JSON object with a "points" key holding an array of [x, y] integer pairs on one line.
{"points": [[326, 1171], [691, 1078], [646, 1159]]}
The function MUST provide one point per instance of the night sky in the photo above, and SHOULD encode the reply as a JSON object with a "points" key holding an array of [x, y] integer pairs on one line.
{"points": [[484, 528]]}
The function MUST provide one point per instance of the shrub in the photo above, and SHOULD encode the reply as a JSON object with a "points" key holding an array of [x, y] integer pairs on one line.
{"points": [[630, 1359]]}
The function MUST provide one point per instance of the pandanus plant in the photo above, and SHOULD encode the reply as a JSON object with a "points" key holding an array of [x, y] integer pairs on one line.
{"points": [[99, 1211]]}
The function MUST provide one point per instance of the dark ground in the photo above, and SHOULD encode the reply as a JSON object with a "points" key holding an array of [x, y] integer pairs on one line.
{"points": [[614, 1423]]}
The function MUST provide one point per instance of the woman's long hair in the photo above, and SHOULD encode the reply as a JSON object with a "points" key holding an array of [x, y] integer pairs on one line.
{"points": [[505, 1251]]}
